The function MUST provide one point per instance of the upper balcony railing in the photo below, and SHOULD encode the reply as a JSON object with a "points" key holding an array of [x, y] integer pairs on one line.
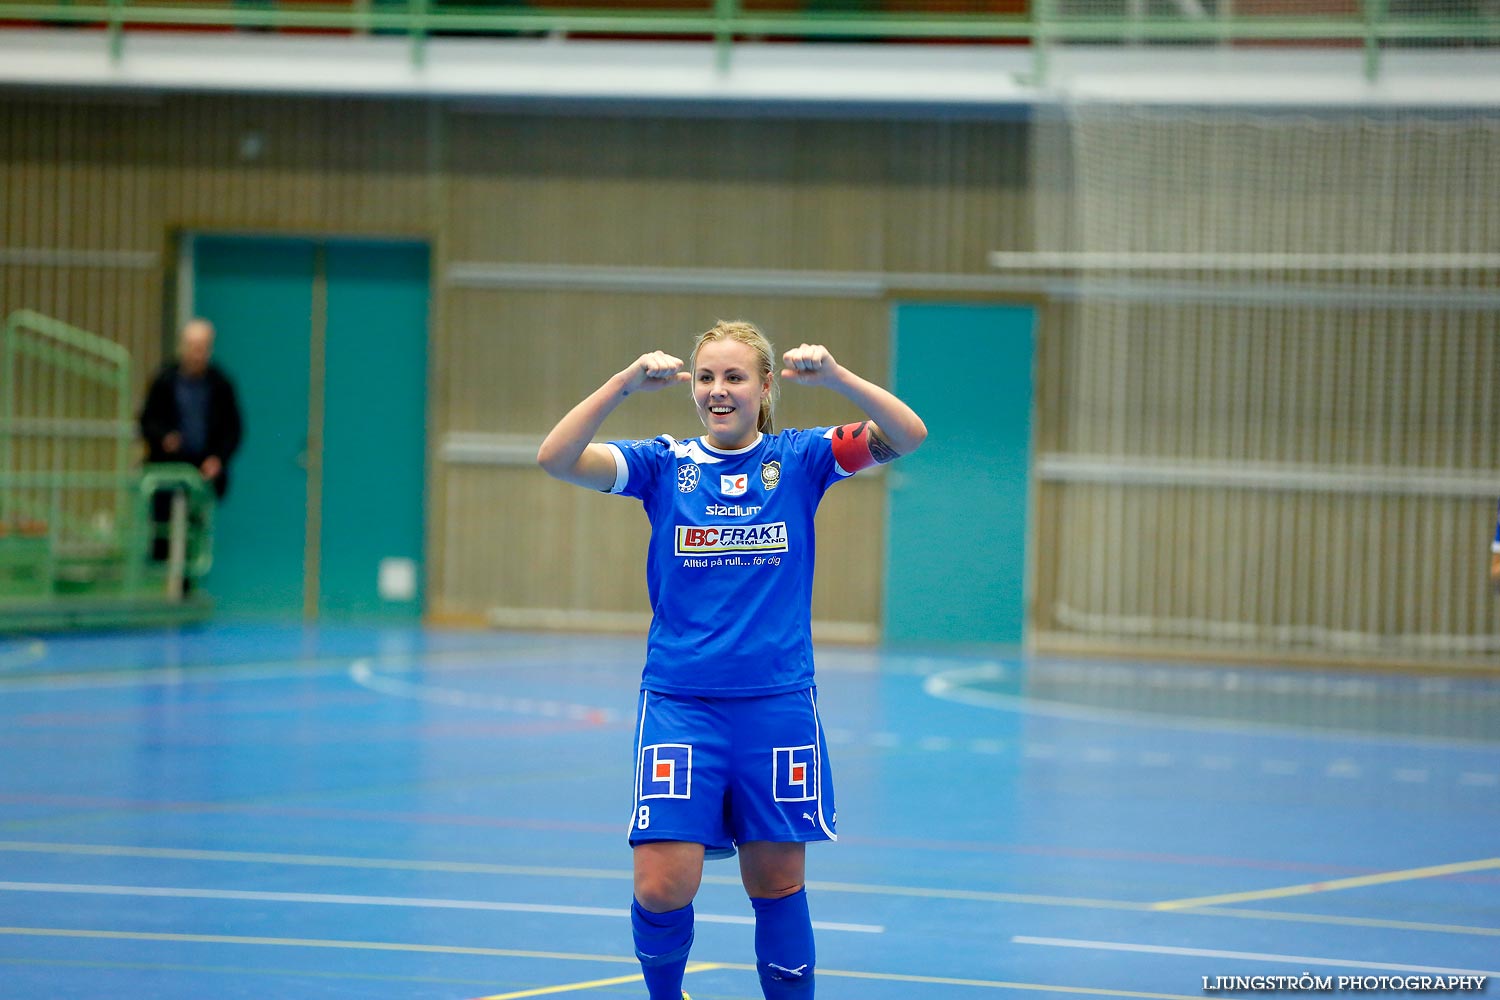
{"points": [[1375, 25]]}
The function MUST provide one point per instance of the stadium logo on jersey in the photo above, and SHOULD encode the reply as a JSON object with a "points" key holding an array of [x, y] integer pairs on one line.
{"points": [[697, 540], [687, 478], [734, 486], [730, 510], [666, 771], [770, 475], [796, 774]]}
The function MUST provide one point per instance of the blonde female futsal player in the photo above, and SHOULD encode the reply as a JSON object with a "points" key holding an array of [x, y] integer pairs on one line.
{"points": [[729, 750], [1495, 557]]}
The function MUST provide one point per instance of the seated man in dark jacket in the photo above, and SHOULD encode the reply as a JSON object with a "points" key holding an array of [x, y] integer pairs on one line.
{"points": [[191, 414]]}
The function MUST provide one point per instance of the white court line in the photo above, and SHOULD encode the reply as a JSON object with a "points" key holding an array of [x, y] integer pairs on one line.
{"points": [[312, 860], [362, 673], [954, 685], [130, 677], [617, 874], [162, 892], [252, 670], [1254, 956], [22, 653]]}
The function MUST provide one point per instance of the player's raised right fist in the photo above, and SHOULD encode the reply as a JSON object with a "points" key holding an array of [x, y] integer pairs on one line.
{"points": [[655, 370]]}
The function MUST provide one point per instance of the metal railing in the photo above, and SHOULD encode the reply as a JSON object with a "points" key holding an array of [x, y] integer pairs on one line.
{"points": [[66, 446], [1373, 24], [75, 508], [183, 542]]}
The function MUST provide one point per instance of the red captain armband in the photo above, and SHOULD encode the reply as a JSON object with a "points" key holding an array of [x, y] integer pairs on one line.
{"points": [[856, 447]]}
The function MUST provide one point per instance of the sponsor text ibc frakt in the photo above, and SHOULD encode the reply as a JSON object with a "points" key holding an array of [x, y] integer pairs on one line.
{"points": [[1309, 983]]}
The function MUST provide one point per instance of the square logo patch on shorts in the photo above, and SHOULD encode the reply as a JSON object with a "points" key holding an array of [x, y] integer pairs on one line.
{"points": [[796, 774], [666, 771]]}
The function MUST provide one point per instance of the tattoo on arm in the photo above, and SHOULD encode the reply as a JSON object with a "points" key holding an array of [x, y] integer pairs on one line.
{"points": [[880, 450]]}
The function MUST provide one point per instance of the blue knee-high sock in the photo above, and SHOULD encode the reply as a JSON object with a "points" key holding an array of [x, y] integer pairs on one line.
{"points": [[784, 954], [662, 942]]}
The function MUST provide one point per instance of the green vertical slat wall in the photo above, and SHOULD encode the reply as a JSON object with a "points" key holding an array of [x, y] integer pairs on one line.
{"points": [[956, 540]]}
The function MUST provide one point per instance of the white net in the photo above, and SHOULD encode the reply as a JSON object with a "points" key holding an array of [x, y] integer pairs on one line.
{"points": [[1279, 417]]}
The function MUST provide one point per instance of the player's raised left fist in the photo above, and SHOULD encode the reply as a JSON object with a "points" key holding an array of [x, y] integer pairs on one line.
{"points": [[809, 364]]}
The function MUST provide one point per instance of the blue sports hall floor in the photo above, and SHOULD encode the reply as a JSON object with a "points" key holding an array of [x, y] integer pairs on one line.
{"points": [[247, 811]]}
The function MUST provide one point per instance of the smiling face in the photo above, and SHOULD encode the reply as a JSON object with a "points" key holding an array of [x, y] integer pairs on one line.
{"points": [[728, 386]]}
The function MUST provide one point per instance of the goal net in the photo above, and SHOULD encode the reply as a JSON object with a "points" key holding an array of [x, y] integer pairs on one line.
{"points": [[1269, 378]]}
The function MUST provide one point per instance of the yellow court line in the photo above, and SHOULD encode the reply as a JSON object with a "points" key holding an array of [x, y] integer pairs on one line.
{"points": [[1406, 875], [568, 988], [543, 991]]}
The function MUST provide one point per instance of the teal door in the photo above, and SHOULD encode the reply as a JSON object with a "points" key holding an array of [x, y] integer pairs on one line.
{"points": [[326, 342], [374, 429], [956, 534], [258, 294]]}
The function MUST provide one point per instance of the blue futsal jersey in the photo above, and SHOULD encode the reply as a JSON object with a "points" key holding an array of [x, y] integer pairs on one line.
{"points": [[730, 567]]}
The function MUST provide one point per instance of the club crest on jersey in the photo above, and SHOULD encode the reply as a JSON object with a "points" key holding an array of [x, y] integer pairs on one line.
{"points": [[770, 475], [687, 478], [734, 486], [666, 771], [796, 774]]}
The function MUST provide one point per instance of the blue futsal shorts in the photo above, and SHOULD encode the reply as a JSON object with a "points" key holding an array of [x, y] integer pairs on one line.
{"points": [[725, 771]]}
